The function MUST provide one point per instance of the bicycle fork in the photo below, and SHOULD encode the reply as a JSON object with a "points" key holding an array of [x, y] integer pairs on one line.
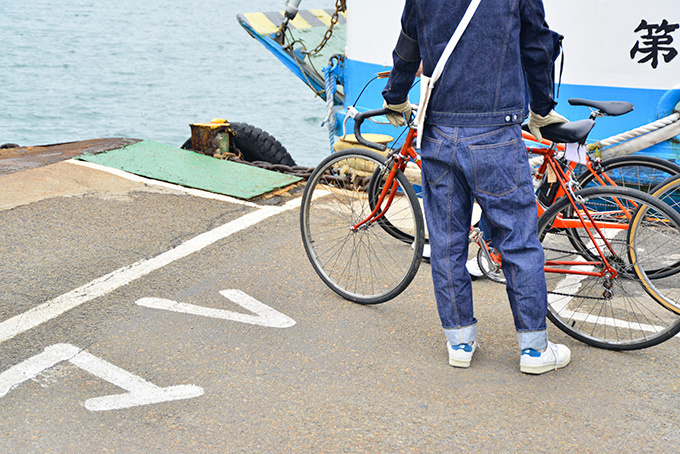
{"points": [[387, 194]]}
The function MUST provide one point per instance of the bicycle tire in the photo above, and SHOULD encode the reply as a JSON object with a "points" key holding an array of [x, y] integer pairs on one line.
{"points": [[365, 265], [655, 248], [375, 187], [639, 172], [627, 319]]}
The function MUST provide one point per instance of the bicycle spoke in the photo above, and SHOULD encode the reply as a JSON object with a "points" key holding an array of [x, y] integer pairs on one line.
{"points": [[610, 309]]}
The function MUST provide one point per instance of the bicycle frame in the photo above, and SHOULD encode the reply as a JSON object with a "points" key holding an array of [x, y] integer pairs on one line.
{"points": [[601, 178], [402, 158], [609, 274], [399, 160]]}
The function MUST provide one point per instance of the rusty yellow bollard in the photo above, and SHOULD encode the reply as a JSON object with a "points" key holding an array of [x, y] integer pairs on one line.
{"points": [[214, 138]]}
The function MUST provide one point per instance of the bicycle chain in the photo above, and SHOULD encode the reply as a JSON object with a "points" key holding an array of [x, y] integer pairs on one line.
{"points": [[597, 298], [566, 253]]}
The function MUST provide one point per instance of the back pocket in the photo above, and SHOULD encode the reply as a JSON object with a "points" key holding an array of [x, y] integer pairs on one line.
{"points": [[496, 167], [433, 170]]}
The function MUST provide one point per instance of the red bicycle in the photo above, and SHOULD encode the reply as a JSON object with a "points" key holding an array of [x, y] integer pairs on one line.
{"points": [[608, 266]]}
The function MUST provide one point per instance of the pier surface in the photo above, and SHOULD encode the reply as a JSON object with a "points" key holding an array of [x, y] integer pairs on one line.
{"points": [[141, 316]]}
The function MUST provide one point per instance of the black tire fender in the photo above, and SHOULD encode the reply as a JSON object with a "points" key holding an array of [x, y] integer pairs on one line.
{"points": [[256, 145]]}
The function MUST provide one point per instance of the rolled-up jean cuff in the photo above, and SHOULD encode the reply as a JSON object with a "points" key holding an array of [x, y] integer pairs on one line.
{"points": [[538, 340], [463, 335]]}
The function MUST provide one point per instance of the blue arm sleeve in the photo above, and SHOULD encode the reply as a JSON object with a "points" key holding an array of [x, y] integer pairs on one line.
{"points": [[406, 59], [540, 48]]}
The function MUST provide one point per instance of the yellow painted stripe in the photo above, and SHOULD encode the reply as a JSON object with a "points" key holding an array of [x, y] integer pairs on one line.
{"points": [[299, 22], [322, 15], [261, 23]]}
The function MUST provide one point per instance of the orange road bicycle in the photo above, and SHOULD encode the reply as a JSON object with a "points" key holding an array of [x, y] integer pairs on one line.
{"points": [[611, 252], [635, 171]]}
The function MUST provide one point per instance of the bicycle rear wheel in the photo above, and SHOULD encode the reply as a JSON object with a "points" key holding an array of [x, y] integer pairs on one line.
{"points": [[366, 265], [616, 312], [639, 172], [655, 247]]}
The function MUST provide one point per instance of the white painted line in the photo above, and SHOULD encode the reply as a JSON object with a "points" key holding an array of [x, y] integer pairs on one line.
{"points": [[140, 391], [163, 184], [34, 366], [123, 276], [264, 315], [610, 321]]}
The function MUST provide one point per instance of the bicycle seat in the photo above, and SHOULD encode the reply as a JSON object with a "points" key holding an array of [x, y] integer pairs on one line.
{"points": [[611, 108], [574, 131]]}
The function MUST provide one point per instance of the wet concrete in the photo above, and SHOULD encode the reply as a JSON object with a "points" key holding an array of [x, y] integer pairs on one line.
{"points": [[23, 158]]}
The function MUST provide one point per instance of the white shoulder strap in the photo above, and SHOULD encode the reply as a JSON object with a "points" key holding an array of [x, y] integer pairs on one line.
{"points": [[453, 42]]}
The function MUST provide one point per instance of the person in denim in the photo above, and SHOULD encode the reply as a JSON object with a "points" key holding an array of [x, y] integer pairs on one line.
{"points": [[472, 147]]}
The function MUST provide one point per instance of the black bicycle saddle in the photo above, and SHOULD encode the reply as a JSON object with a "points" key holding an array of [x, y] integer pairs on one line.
{"points": [[572, 132], [611, 108]]}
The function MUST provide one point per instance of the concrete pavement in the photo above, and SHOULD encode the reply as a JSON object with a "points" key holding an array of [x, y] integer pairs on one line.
{"points": [[86, 251]]}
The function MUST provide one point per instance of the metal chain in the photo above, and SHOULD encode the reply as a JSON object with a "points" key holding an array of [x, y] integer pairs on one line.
{"points": [[297, 171], [340, 6], [596, 298]]}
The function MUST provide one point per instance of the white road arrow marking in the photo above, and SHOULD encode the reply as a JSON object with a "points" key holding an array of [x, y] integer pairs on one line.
{"points": [[264, 315], [123, 276], [140, 392]]}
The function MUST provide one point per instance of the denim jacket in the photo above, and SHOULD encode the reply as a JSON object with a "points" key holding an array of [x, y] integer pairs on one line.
{"points": [[504, 59]]}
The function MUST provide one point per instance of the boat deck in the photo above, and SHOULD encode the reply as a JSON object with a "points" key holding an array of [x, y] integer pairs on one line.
{"points": [[307, 30]]}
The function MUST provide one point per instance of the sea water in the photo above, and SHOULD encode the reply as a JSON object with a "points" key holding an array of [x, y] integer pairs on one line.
{"points": [[86, 69]]}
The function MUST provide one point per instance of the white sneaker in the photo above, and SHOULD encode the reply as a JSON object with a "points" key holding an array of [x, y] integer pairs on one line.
{"points": [[473, 268], [461, 355], [554, 357]]}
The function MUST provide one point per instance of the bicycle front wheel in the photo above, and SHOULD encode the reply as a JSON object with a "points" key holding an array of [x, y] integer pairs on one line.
{"points": [[607, 311], [365, 264]]}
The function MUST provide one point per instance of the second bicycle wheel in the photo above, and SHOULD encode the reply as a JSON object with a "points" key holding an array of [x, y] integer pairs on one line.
{"points": [[640, 172], [655, 247], [365, 264], [613, 312], [375, 187]]}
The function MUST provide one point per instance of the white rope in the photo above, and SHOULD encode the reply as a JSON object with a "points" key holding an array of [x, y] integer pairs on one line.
{"points": [[662, 123], [329, 79]]}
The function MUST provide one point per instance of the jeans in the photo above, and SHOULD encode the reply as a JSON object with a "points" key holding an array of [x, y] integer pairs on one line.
{"points": [[491, 166]]}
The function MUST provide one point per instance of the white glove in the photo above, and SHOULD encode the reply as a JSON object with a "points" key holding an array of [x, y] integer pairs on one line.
{"points": [[399, 112], [536, 122]]}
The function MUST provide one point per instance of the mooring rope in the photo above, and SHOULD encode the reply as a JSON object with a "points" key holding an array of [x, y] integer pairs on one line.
{"points": [[330, 81], [662, 123]]}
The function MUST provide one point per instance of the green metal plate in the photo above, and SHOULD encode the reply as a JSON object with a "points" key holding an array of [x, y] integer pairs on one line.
{"points": [[166, 163]]}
